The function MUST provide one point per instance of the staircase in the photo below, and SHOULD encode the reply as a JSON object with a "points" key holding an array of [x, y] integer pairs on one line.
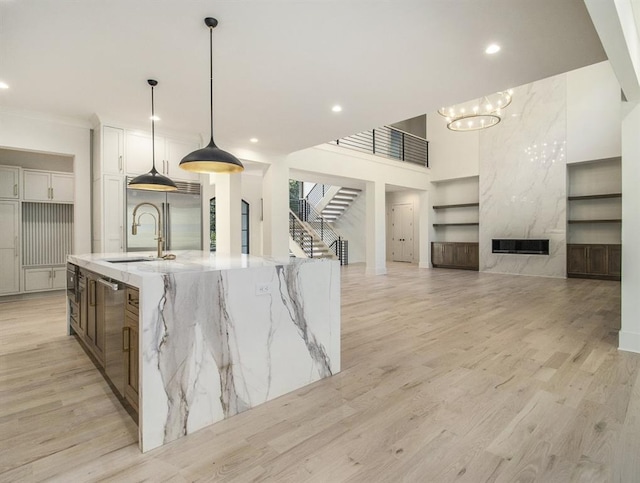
{"points": [[307, 240], [339, 203], [312, 236]]}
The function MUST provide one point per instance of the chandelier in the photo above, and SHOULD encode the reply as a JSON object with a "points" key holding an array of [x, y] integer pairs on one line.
{"points": [[477, 114]]}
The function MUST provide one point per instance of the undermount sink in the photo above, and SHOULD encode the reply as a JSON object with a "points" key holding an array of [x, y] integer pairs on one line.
{"points": [[128, 260]]}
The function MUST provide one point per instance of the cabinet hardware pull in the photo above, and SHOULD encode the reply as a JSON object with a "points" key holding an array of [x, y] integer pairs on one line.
{"points": [[125, 337], [15, 246], [120, 163], [92, 293], [15, 190], [167, 167], [51, 193]]}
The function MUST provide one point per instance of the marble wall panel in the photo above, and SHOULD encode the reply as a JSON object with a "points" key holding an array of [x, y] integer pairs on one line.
{"points": [[523, 180]]}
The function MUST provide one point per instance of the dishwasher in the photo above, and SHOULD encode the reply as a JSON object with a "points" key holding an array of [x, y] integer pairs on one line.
{"points": [[111, 297]]}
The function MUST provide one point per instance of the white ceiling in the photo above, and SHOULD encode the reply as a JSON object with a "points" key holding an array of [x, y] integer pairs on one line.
{"points": [[279, 65]]}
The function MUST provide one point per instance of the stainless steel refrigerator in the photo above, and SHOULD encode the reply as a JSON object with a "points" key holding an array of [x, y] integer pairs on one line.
{"points": [[181, 217]]}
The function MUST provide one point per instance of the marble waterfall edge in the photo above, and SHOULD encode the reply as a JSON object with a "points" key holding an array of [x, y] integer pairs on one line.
{"points": [[212, 347]]}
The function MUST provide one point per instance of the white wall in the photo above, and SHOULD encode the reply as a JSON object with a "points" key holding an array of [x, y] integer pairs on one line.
{"points": [[251, 189], [338, 162], [630, 333], [451, 154], [34, 132], [593, 113]]}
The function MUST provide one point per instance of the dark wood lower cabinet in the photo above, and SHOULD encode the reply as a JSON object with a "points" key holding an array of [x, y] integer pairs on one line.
{"points": [[455, 255], [594, 261], [130, 333]]}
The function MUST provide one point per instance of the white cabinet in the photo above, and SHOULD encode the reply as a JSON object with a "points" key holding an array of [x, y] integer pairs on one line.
{"points": [[47, 186], [113, 213], [173, 154], [112, 150], [45, 278], [169, 153], [9, 182], [139, 154], [9, 248]]}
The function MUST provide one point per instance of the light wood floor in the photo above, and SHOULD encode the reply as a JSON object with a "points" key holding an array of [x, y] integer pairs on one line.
{"points": [[447, 376]]}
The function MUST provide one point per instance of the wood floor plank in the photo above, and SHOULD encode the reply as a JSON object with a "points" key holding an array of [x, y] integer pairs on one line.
{"points": [[446, 375]]}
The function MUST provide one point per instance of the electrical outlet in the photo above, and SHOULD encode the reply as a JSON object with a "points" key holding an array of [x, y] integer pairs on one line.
{"points": [[263, 289]]}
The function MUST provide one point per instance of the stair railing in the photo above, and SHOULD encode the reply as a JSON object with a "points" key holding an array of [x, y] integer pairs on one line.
{"points": [[317, 193], [300, 235], [391, 143], [308, 214]]}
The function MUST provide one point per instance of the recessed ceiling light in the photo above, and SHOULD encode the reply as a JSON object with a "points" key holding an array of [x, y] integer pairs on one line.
{"points": [[492, 49], [4, 85], [254, 140], [154, 118], [336, 108]]}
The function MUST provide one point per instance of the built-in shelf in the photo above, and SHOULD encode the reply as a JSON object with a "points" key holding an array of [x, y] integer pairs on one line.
{"points": [[456, 224], [594, 197], [595, 221], [459, 205]]}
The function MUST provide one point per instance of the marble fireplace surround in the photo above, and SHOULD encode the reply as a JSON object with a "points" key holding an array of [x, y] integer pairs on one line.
{"points": [[522, 167]]}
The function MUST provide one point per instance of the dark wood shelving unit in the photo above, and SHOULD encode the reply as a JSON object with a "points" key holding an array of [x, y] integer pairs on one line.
{"points": [[459, 205], [594, 197], [594, 221], [457, 224]]}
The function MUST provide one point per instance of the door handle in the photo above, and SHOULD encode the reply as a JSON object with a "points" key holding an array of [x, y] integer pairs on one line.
{"points": [[15, 190], [125, 338]]}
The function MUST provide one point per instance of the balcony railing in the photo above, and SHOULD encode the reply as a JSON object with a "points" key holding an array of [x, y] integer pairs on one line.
{"points": [[390, 143]]}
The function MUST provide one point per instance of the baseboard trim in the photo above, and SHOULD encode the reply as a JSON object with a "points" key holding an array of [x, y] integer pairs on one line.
{"points": [[629, 341]]}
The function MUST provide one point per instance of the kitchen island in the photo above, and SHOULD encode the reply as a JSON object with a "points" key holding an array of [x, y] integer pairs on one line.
{"points": [[220, 335]]}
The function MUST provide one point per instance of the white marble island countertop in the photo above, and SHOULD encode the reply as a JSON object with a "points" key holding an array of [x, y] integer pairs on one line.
{"points": [[186, 261], [220, 335]]}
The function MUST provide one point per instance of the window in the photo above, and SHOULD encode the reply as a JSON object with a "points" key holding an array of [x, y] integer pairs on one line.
{"points": [[244, 236]]}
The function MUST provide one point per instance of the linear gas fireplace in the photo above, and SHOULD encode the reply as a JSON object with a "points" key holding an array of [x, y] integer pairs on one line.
{"points": [[523, 247]]}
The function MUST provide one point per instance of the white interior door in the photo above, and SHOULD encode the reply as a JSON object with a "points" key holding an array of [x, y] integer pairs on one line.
{"points": [[402, 233]]}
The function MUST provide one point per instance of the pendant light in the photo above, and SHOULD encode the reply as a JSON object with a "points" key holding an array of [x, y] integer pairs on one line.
{"points": [[152, 181], [211, 159]]}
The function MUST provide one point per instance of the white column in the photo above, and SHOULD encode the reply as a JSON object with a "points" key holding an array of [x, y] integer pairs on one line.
{"points": [[629, 337], [423, 229], [375, 228], [275, 203], [228, 214]]}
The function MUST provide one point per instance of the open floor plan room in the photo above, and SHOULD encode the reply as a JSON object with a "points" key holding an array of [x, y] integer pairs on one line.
{"points": [[447, 375]]}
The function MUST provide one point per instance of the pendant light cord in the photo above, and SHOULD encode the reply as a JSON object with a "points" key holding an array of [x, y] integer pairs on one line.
{"points": [[211, 76], [153, 132]]}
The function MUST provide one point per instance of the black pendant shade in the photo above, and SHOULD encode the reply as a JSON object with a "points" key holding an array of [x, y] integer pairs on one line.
{"points": [[211, 159], [152, 181]]}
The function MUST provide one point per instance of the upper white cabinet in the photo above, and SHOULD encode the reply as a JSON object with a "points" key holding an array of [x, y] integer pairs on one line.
{"points": [[173, 154], [112, 150], [47, 186], [9, 182], [140, 155], [168, 154]]}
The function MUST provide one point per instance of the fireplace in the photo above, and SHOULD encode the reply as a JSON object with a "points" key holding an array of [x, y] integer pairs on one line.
{"points": [[520, 246]]}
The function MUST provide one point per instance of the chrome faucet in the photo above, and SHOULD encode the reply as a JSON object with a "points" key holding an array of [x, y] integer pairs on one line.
{"points": [[156, 222]]}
